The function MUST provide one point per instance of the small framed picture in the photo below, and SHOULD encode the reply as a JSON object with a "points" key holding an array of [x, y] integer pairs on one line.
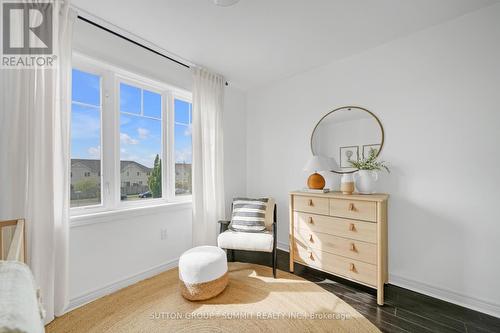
{"points": [[368, 148], [349, 153]]}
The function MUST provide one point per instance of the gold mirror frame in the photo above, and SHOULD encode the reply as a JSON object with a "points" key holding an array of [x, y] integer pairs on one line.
{"points": [[349, 107]]}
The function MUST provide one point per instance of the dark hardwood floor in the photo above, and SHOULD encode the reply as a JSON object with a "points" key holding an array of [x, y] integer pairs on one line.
{"points": [[404, 310]]}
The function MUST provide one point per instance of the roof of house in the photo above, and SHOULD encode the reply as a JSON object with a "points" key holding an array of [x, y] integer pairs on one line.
{"points": [[125, 164], [95, 165], [183, 166]]}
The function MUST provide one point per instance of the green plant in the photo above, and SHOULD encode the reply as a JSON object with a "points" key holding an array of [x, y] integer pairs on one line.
{"points": [[370, 163], [86, 185], [154, 179]]}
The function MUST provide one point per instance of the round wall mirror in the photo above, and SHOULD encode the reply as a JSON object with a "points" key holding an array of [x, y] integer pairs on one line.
{"points": [[346, 134]]}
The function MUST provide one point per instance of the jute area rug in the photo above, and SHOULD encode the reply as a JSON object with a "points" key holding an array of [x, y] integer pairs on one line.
{"points": [[252, 302]]}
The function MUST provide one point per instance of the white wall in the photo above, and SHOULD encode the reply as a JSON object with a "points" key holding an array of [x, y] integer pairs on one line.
{"points": [[437, 95], [113, 250], [120, 249], [235, 165]]}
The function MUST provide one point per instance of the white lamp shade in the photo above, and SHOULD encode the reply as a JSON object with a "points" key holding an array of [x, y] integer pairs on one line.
{"points": [[317, 163]]}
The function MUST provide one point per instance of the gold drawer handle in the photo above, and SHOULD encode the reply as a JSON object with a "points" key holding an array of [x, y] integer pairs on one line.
{"points": [[351, 207], [351, 267], [353, 247], [310, 203], [311, 220], [352, 227], [311, 238]]}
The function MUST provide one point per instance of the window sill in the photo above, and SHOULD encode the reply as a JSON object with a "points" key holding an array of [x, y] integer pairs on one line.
{"points": [[128, 212]]}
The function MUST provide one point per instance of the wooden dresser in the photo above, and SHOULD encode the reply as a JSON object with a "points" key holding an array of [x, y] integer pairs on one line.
{"points": [[345, 235]]}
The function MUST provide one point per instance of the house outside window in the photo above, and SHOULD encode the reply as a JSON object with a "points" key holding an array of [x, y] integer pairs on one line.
{"points": [[129, 123]]}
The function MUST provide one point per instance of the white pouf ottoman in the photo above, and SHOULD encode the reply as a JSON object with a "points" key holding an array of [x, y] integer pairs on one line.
{"points": [[203, 272]]}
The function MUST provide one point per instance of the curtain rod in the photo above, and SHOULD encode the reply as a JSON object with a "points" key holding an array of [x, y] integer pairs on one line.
{"points": [[134, 42]]}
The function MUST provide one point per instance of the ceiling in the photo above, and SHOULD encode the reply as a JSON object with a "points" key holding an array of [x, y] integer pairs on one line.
{"points": [[256, 42]]}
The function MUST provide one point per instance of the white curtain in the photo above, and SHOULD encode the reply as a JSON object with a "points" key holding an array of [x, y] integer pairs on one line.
{"points": [[208, 156], [35, 161]]}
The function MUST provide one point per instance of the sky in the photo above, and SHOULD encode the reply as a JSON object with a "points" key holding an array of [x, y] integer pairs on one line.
{"points": [[140, 122]]}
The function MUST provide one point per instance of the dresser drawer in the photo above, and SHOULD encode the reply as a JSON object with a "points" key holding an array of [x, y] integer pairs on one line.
{"points": [[362, 251], [358, 230], [311, 204], [328, 262], [354, 209]]}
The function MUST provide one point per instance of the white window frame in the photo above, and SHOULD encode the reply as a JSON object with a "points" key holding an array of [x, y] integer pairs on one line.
{"points": [[111, 77], [172, 175], [88, 68]]}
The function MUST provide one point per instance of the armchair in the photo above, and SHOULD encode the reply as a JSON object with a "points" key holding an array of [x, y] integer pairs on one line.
{"points": [[250, 241]]}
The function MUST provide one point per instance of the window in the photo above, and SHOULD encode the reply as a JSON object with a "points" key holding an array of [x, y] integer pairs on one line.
{"points": [[130, 134], [183, 147], [140, 141], [85, 139]]}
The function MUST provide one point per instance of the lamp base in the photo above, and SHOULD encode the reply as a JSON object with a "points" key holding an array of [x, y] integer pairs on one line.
{"points": [[316, 181]]}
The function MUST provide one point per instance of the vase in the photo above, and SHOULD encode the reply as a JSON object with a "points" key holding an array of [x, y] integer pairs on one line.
{"points": [[366, 181], [316, 181], [347, 183]]}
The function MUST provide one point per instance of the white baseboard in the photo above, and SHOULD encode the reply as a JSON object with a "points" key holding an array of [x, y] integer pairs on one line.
{"points": [[117, 285], [470, 302]]}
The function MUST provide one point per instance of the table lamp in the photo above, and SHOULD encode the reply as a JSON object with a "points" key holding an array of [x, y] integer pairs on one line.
{"points": [[315, 164]]}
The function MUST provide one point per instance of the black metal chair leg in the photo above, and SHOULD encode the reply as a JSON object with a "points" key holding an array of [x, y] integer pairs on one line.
{"points": [[275, 241], [274, 262]]}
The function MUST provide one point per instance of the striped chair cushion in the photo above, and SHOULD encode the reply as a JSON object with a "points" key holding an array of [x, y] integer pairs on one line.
{"points": [[249, 215]]}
